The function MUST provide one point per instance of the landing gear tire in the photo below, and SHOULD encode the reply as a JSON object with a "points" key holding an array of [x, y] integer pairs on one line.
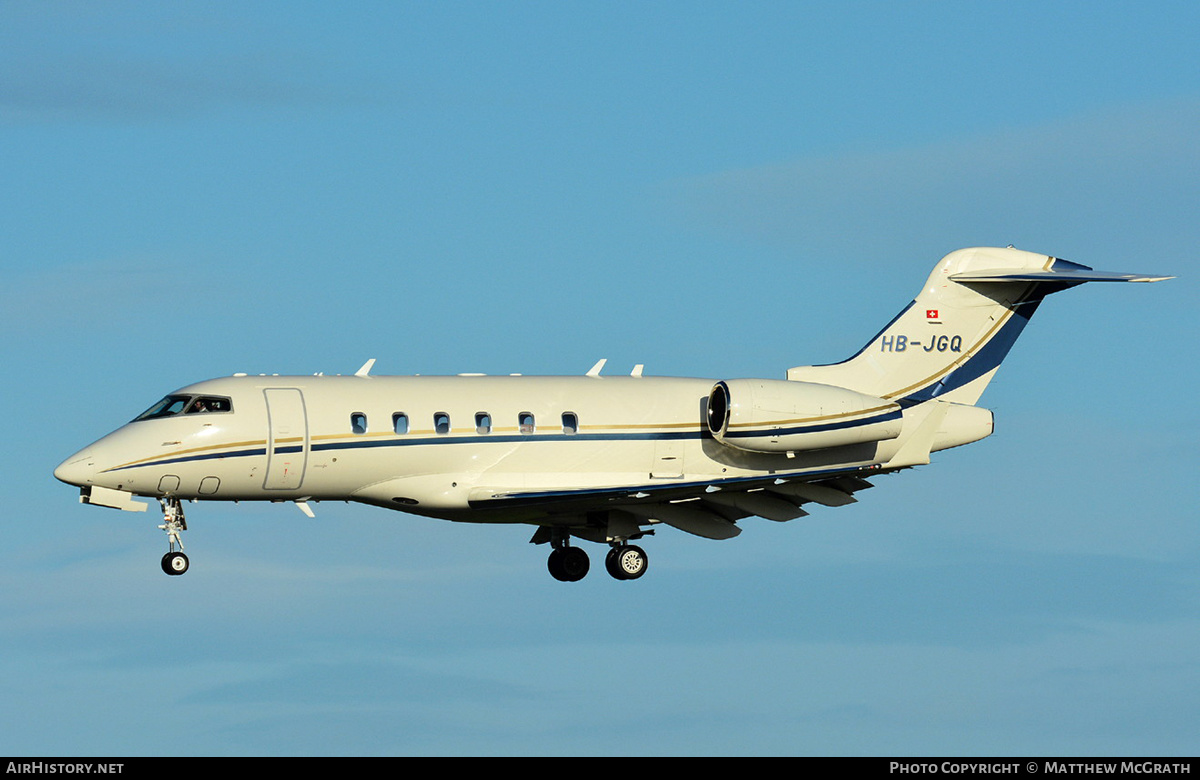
{"points": [[568, 564], [175, 563], [626, 562]]}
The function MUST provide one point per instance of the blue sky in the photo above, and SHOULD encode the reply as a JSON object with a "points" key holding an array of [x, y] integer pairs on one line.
{"points": [[190, 190]]}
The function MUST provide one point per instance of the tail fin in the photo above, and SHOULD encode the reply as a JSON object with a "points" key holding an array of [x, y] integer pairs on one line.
{"points": [[950, 340]]}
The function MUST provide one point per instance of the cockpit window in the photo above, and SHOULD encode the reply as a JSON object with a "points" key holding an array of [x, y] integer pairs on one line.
{"points": [[172, 404], [208, 403], [186, 404]]}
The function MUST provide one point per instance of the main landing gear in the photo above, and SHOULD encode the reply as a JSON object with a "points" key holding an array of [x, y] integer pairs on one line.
{"points": [[174, 562], [623, 562]]}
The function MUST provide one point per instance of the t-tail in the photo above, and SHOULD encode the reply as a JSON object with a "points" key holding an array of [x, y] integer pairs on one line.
{"points": [[948, 343]]}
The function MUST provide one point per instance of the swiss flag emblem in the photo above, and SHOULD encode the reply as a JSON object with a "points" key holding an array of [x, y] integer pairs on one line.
{"points": [[931, 314]]}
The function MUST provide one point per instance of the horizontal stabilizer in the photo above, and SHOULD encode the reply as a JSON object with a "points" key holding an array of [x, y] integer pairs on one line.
{"points": [[1061, 271]]}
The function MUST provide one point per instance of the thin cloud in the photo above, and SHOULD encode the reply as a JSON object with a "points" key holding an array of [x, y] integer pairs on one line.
{"points": [[77, 295], [1134, 170], [112, 89]]}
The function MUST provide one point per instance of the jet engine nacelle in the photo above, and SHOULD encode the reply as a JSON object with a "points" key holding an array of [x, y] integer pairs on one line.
{"points": [[765, 415]]}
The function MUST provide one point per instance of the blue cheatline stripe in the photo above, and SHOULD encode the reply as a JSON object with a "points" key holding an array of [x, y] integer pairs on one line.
{"points": [[895, 414], [450, 438], [443, 439], [191, 458], [989, 356]]}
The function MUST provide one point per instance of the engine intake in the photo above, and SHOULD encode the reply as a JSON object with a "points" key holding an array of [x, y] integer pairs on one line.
{"points": [[765, 415]]}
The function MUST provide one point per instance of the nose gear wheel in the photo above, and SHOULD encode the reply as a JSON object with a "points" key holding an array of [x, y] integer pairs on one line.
{"points": [[175, 563]]}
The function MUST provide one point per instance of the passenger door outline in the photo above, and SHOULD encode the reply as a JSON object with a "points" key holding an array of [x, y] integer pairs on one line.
{"points": [[287, 438]]}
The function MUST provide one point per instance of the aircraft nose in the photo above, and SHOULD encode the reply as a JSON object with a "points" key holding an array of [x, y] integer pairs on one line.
{"points": [[77, 470]]}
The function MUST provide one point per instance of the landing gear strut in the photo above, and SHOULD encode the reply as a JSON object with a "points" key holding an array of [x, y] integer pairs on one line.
{"points": [[174, 562]]}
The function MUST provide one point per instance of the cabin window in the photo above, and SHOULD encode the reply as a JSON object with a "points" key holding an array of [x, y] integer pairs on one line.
{"points": [[525, 420], [358, 422], [441, 422], [570, 423], [483, 423], [400, 422]]}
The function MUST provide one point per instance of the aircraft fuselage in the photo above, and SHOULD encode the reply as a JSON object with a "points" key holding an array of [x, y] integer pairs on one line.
{"points": [[438, 446]]}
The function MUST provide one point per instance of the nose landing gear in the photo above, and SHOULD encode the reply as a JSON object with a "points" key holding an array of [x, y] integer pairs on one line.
{"points": [[174, 562]]}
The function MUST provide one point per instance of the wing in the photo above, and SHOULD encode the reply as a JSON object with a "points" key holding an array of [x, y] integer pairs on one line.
{"points": [[709, 509]]}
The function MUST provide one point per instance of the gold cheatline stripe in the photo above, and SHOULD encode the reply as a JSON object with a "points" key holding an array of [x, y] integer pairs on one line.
{"points": [[206, 448], [640, 426], [970, 353], [349, 437], [192, 450], [816, 419]]}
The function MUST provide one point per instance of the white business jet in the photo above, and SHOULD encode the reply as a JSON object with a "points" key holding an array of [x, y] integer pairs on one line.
{"points": [[604, 459]]}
